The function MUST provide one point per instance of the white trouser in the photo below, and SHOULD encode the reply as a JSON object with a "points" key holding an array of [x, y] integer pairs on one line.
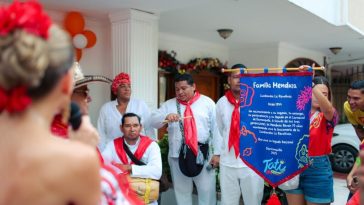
{"points": [[205, 183], [237, 181]]}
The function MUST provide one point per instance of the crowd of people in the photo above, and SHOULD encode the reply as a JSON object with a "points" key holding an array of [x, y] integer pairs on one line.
{"points": [[120, 161]]}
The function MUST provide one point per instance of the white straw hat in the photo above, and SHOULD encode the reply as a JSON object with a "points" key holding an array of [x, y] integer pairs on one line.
{"points": [[80, 79]]}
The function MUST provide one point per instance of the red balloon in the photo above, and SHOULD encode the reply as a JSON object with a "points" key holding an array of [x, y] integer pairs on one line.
{"points": [[74, 22], [91, 38], [78, 54]]}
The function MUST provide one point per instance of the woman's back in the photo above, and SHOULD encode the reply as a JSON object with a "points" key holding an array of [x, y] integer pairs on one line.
{"points": [[40, 169], [35, 85]]}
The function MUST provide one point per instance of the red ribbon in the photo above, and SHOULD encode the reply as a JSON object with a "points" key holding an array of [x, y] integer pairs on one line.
{"points": [[15, 100], [234, 125], [189, 124]]}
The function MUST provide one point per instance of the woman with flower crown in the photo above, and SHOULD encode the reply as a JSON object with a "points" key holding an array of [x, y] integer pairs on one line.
{"points": [[35, 84]]}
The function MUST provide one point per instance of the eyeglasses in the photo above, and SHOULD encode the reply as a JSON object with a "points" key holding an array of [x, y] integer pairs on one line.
{"points": [[84, 93]]}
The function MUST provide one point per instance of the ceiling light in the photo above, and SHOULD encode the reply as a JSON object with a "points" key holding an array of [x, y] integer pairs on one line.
{"points": [[225, 33], [335, 50]]}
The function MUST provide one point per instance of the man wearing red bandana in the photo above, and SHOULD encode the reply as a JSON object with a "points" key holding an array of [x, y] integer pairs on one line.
{"points": [[112, 112], [236, 178], [197, 114], [354, 107], [143, 148]]}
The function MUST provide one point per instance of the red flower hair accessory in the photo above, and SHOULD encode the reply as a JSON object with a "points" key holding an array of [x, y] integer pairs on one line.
{"points": [[27, 16], [121, 78], [15, 100]]}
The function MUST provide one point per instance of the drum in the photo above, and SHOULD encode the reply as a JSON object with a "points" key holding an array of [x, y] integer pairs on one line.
{"points": [[146, 189]]}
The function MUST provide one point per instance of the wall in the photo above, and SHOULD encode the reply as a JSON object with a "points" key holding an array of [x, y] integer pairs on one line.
{"points": [[271, 55], [356, 15], [288, 52], [255, 56], [188, 48], [95, 60], [332, 11]]}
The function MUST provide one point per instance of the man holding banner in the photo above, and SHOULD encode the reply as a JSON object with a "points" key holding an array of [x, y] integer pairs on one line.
{"points": [[236, 178]]}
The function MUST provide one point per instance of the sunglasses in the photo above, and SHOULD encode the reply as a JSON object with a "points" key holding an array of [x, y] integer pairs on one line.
{"points": [[84, 93]]}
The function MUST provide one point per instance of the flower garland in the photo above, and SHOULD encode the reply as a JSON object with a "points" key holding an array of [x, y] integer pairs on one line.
{"points": [[27, 16], [169, 63], [198, 64]]}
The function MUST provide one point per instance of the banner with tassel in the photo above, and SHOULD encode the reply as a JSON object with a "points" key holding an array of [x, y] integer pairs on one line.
{"points": [[274, 123]]}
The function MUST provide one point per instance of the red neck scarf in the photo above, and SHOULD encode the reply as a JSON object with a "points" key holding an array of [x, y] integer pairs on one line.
{"points": [[143, 145], [235, 123], [189, 124]]}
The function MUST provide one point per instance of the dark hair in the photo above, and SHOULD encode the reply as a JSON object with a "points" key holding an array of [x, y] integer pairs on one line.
{"points": [[239, 65], [322, 80], [129, 114], [184, 77], [236, 66], [358, 85]]}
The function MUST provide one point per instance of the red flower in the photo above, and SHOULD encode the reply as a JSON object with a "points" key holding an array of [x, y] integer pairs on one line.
{"points": [[3, 99], [28, 16], [16, 100]]}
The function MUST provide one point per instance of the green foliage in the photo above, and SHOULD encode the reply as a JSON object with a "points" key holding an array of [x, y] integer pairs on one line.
{"points": [[163, 145]]}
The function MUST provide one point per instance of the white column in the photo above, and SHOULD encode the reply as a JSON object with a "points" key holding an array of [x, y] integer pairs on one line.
{"points": [[134, 42]]}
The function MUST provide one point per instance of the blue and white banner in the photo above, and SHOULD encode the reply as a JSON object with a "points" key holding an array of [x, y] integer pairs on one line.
{"points": [[274, 123]]}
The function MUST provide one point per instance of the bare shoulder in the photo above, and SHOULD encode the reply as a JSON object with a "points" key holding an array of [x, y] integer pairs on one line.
{"points": [[56, 169], [75, 171], [75, 155]]}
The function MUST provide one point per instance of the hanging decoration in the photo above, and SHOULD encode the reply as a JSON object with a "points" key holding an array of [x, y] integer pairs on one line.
{"points": [[74, 23], [168, 62]]}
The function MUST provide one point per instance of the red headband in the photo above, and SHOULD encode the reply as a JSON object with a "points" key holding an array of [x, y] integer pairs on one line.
{"points": [[119, 79]]}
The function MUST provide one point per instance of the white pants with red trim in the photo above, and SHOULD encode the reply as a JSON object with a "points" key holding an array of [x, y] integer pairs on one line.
{"points": [[237, 181], [205, 183]]}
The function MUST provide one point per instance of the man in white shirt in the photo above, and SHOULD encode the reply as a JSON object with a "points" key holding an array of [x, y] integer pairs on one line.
{"points": [[143, 148], [198, 115], [236, 178], [112, 112]]}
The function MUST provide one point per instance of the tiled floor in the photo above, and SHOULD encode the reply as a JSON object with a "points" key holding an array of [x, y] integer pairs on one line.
{"points": [[340, 192]]}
